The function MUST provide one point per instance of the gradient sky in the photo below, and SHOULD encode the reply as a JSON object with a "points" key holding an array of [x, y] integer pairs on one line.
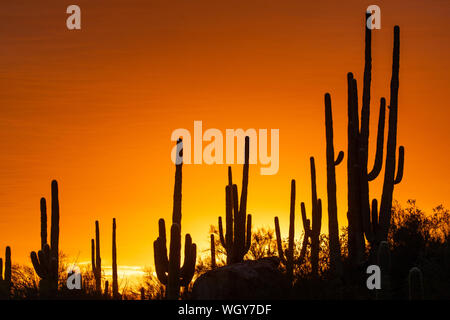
{"points": [[95, 109]]}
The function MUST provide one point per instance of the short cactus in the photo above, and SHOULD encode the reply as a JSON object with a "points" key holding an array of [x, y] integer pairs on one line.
{"points": [[96, 260], [287, 256], [5, 279], [314, 232], [415, 281], [213, 252]]}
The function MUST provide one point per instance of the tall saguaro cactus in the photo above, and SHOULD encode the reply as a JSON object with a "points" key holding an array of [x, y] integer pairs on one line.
{"points": [[45, 262], [5, 279], [362, 220], [316, 220], [96, 259], [168, 268], [237, 239], [287, 256], [333, 224], [115, 284]]}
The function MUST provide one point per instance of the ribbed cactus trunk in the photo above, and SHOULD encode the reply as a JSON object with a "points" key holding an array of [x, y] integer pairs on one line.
{"points": [[115, 284], [45, 262], [237, 239], [96, 260], [356, 243], [390, 179], [5, 279], [287, 256], [333, 224], [168, 268]]}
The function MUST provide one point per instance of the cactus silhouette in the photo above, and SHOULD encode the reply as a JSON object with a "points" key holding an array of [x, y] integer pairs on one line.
{"points": [[115, 284], [415, 282], [333, 225], [314, 232], [168, 269], [5, 279], [106, 291], [213, 252], [45, 262], [96, 260], [287, 256], [237, 239], [361, 220]]}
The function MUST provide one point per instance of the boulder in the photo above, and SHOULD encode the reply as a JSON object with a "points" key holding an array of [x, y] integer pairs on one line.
{"points": [[249, 280]]}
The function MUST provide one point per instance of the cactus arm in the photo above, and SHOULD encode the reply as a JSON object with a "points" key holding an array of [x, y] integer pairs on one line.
{"points": [[248, 233], [374, 215], [43, 223], [373, 174], [173, 284], [401, 162], [290, 253], [93, 255], [222, 239], [230, 196], [243, 204], [7, 277], [230, 176], [161, 268], [37, 266], [279, 243], [54, 232], [213, 252], [190, 256], [339, 158]]}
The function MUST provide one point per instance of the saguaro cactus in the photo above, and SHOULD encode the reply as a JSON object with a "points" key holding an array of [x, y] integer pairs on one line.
{"points": [[213, 252], [115, 284], [5, 279], [96, 260], [316, 220], [415, 281], [363, 222], [333, 225], [168, 268], [45, 262], [237, 239], [287, 256]]}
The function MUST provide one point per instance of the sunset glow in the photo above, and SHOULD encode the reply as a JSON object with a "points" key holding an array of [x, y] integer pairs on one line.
{"points": [[95, 110]]}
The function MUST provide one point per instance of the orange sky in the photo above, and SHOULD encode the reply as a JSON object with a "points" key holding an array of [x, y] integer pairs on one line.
{"points": [[95, 109]]}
